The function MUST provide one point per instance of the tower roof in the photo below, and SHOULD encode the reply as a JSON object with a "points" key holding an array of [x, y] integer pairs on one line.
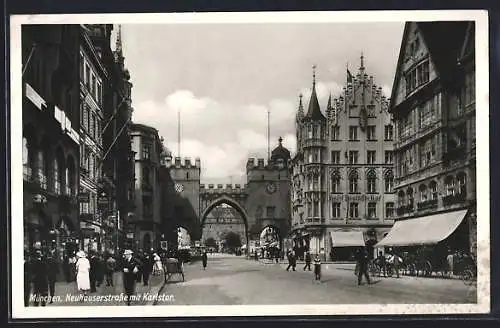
{"points": [[314, 111], [280, 152]]}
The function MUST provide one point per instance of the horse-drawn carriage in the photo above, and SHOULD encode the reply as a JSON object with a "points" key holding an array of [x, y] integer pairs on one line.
{"points": [[171, 267]]}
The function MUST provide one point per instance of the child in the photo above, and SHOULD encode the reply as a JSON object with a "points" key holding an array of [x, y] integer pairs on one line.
{"points": [[317, 268]]}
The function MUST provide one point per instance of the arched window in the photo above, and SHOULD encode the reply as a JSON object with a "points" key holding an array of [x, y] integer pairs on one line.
{"points": [[371, 182], [335, 182], [462, 183], [389, 182], [401, 198], [433, 190], [41, 169], [449, 184], [423, 193], [70, 177], [353, 181], [26, 161], [56, 177]]}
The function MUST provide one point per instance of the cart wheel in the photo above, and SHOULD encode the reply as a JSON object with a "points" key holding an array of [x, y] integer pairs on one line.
{"points": [[468, 277]]}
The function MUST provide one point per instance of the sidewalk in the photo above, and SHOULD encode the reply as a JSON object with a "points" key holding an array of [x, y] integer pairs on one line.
{"points": [[66, 294]]}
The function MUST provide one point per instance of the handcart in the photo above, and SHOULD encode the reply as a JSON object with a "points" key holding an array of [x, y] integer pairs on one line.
{"points": [[173, 266]]}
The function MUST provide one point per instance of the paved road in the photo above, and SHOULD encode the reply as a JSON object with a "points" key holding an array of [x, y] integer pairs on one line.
{"points": [[231, 280]]}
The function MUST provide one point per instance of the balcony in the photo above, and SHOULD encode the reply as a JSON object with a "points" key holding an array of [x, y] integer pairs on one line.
{"points": [[405, 209], [454, 199], [428, 204], [315, 142]]}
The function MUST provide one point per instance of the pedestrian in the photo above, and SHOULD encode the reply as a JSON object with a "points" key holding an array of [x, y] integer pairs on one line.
{"points": [[93, 272], [27, 278], [204, 259], [138, 276], [396, 261], [294, 260], [362, 260], [317, 268], [52, 271], [382, 264], [449, 260], [40, 278], [82, 272], [72, 266], [130, 270], [110, 269], [146, 267], [308, 261], [158, 267]]}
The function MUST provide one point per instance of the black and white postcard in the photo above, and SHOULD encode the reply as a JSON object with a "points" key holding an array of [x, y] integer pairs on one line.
{"points": [[241, 164]]}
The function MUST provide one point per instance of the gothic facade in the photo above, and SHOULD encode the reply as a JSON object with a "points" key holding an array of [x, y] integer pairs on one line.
{"points": [[342, 174]]}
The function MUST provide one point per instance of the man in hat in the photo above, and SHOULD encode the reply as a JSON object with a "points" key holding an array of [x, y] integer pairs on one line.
{"points": [[130, 270], [40, 278], [52, 271]]}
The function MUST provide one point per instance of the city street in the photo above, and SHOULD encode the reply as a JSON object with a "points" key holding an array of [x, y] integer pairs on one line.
{"points": [[230, 280]]}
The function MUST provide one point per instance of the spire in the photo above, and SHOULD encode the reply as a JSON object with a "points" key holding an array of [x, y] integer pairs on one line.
{"points": [[280, 140], [362, 67], [329, 105], [300, 112], [314, 112], [118, 47]]}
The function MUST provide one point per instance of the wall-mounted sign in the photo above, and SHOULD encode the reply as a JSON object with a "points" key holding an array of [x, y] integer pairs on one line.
{"points": [[84, 197], [356, 198], [130, 235]]}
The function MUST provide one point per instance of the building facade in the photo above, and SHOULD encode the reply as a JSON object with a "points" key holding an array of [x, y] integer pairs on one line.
{"points": [[145, 224], [50, 144], [94, 76], [342, 174], [433, 102]]}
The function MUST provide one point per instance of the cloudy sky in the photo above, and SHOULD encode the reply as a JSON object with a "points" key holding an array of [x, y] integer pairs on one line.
{"points": [[223, 78]]}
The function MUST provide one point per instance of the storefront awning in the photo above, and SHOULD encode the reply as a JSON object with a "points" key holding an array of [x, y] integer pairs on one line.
{"points": [[347, 238], [425, 230]]}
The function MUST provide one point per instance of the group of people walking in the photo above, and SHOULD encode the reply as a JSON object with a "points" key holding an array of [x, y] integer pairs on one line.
{"points": [[292, 263], [89, 271]]}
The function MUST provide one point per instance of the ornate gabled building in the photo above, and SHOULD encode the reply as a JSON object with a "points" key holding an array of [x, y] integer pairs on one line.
{"points": [[342, 174], [433, 103]]}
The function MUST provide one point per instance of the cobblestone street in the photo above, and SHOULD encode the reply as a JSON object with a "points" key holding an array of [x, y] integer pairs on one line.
{"points": [[235, 280]]}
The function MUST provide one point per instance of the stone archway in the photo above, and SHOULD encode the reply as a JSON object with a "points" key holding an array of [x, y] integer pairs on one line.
{"points": [[234, 204]]}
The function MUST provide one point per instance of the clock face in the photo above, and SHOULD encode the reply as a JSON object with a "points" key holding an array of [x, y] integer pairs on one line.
{"points": [[271, 188], [179, 187]]}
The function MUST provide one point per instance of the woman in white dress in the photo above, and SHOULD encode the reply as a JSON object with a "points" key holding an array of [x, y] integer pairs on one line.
{"points": [[157, 267], [82, 272]]}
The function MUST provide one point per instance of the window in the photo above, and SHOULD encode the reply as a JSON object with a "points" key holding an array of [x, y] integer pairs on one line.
{"points": [[406, 126], [270, 211], [409, 193], [315, 182], [353, 183], [427, 152], [87, 76], [310, 131], [389, 210], [353, 133], [389, 132], [406, 161], [99, 93], [372, 210], [353, 210], [94, 127], [41, 169], [316, 208], [423, 193], [370, 157], [146, 178], [450, 186], [462, 189], [433, 188], [146, 150], [85, 119], [353, 157], [389, 182], [389, 159], [82, 67], [401, 198], [370, 132], [372, 183], [147, 206], [93, 86], [317, 156], [335, 210], [335, 157], [335, 133], [418, 76], [26, 161], [335, 183], [91, 166], [468, 95], [57, 176]]}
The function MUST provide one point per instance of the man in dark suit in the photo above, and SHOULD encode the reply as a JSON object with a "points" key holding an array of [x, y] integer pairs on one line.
{"points": [[362, 259], [130, 270], [52, 271], [40, 278]]}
